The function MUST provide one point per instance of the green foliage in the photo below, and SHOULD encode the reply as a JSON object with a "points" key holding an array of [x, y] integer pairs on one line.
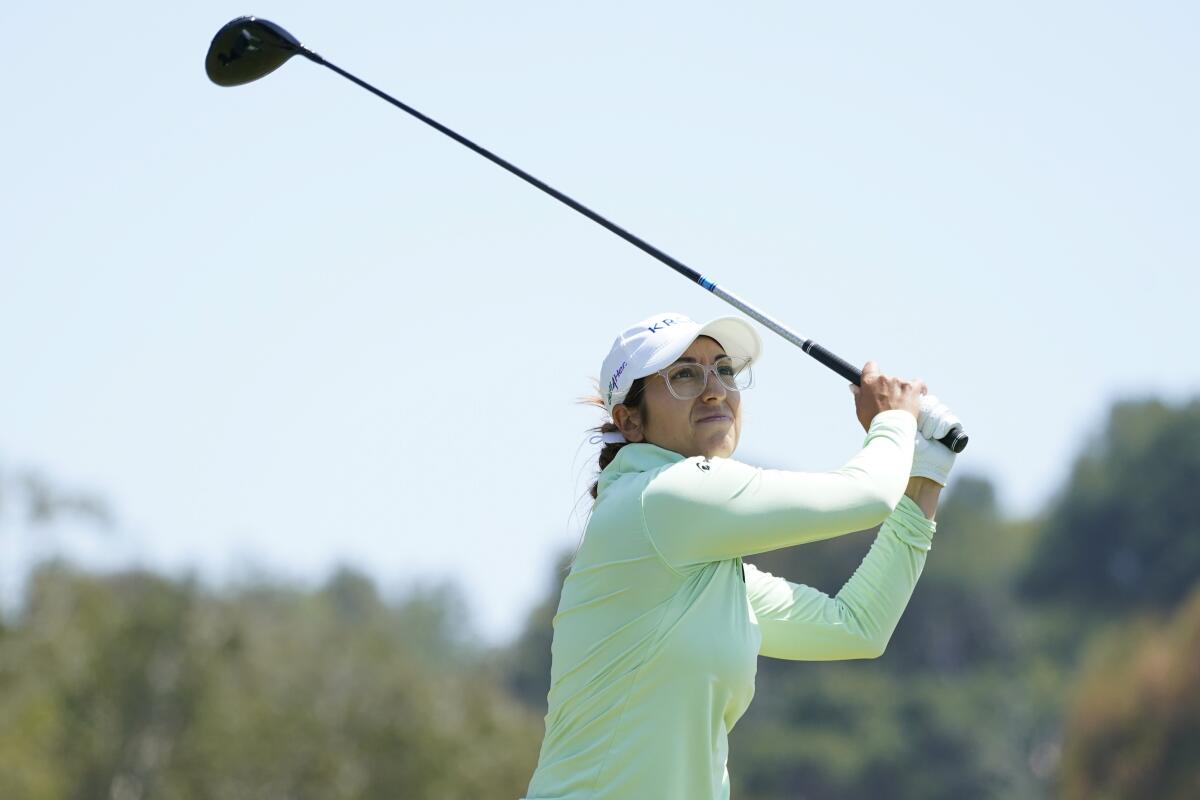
{"points": [[1124, 534], [1133, 729], [136, 686], [526, 662], [42, 501]]}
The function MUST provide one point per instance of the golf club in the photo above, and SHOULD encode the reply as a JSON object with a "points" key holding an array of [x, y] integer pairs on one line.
{"points": [[248, 48]]}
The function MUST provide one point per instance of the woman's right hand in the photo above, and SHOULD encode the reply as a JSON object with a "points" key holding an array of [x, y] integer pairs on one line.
{"points": [[879, 392]]}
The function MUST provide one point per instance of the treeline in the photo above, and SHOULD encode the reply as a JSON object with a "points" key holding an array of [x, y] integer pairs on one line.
{"points": [[134, 686], [1057, 656]]}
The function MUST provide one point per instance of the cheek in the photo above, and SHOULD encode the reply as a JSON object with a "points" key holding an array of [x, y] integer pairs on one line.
{"points": [[676, 416], [666, 416]]}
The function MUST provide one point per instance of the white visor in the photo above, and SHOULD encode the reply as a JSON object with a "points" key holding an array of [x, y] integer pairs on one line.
{"points": [[656, 342]]}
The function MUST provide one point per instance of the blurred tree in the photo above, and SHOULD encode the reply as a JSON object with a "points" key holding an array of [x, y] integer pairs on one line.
{"points": [[100, 660], [526, 662], [1124, 534], [40, 500], [135, 686], [1133, 729], [30, 506]]}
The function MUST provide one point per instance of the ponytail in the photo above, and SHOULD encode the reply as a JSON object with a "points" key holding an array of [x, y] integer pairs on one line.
{"points": [[636, 398]]}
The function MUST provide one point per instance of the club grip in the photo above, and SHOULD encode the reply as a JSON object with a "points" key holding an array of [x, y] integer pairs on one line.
{"points": [[834, 362], [956, 439]]}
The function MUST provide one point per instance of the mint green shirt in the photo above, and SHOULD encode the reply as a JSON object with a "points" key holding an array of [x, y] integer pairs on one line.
{"points": [[660, 624]]}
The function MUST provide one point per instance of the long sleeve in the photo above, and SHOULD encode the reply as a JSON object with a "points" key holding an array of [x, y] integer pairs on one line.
{"points": [[702, 510], [803, 624]]}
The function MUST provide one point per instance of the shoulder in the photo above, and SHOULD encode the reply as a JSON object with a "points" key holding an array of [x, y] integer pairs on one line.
{"points": [[698, 479], [699, 467]]}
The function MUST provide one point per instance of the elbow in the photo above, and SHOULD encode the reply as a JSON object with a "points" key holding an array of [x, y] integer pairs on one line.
{"points": [[880, 503], [860, 649], [888, 495], [879, 484], [869, 640], [865, 648], [876, 496], [874, 648]]}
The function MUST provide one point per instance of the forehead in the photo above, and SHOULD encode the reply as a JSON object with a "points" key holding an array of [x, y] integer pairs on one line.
{"points": [[704, 347]]}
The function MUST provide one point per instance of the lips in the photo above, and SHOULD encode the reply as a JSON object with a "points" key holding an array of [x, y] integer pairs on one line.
{"points": [[714, 418]]}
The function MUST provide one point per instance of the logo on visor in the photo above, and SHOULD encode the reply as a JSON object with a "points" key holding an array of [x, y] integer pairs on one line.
{"points": [[615, 379], [666, 323]]}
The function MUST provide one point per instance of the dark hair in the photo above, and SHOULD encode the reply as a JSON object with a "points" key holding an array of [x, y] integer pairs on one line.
{"points": [[635, 398]]}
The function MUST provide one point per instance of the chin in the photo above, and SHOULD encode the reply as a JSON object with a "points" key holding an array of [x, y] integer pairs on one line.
{"points": [[723, 449]]}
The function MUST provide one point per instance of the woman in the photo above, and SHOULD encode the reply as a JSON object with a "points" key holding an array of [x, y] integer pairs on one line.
{"points": [[660, 624]]}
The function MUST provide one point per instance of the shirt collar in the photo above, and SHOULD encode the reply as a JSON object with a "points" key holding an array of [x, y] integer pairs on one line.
{"points": [[636, 457]]}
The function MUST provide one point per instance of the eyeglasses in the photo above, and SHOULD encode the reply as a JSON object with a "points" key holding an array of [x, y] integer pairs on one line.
{"points": [[687, 381]]}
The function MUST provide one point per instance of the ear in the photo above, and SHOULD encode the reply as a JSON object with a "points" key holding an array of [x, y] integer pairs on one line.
{"points": [[629, 421]]}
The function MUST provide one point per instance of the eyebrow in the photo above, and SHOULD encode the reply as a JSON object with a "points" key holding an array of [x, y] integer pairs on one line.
{"points": [[690, 360]]}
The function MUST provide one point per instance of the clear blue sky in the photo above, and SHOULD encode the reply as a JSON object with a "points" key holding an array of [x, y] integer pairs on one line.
{"points": [[285, 325]]}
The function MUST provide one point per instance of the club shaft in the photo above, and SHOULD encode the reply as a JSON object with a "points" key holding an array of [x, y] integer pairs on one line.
{"points": [[956, 439], [673, 263]]}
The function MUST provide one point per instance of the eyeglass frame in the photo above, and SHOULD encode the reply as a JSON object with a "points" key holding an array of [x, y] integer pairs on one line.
{"points": [[707, 369]]}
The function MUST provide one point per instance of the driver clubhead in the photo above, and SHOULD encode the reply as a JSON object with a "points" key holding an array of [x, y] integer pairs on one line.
{"points": [[246, 49]]}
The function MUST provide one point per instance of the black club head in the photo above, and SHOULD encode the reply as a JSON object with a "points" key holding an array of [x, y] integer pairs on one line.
{"points": [[246, 49]]}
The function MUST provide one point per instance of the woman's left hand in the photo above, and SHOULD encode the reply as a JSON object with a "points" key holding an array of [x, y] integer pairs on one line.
{"points": [[932, 459]]}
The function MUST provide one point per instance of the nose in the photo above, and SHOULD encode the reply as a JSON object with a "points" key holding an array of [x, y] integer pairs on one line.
{"points": [[713, 388]]}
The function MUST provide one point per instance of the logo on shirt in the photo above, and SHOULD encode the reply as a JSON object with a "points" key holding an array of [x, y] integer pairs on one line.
{"points": [[704, 465]]}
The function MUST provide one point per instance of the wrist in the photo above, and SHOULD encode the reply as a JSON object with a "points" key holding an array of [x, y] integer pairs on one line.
{"points": [[925, 493]]}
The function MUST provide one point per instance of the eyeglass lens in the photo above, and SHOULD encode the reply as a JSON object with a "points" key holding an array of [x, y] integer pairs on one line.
{"points": [[689, 380]]}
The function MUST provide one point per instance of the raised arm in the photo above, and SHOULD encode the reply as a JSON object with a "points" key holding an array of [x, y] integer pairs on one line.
{"points": [[702, 510], [804, 624]]}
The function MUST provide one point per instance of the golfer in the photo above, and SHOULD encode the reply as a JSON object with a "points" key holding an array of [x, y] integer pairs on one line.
{"points": [[660, 623]]}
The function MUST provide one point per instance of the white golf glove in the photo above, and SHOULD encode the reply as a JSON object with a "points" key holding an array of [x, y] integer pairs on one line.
{"points": [[932, 459]]}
